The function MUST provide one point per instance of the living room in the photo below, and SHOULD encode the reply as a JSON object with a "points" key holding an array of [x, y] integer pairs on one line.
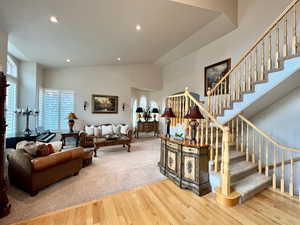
{"points": [[113, 110]]}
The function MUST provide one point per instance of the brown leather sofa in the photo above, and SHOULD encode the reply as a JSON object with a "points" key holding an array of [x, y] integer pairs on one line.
{"points": [[87, 141], [32, 174]]}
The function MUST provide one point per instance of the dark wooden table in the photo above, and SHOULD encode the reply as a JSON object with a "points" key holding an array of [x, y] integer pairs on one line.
{"points": [[74, 135], [146, 127], [103, 143]]}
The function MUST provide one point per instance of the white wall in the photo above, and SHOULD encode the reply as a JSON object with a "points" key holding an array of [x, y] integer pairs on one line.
{"points": [[30, 79], [3, 49], [280, 120], [254, 17], [107, 80]]}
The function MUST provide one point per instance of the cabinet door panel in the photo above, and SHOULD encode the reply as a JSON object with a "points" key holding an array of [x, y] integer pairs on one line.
{"points": [[172, 161], [189, 169]]}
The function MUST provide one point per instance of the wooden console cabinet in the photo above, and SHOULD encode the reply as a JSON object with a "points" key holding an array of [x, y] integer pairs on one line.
{"points": [[149, 126], [185, 164]]}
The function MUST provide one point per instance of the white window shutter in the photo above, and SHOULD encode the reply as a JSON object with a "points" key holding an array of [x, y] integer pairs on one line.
{"points": [[11, 102], [66, 107], [56, 107]]}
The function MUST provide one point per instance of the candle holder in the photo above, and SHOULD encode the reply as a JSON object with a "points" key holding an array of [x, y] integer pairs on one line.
{"points": [[27, 113]]}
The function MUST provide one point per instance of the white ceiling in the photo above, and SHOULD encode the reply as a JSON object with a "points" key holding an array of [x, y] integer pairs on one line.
{"points": [[92, 32]]}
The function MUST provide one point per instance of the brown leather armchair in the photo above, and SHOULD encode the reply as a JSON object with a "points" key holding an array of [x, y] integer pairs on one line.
{"points": [[32, 174]]}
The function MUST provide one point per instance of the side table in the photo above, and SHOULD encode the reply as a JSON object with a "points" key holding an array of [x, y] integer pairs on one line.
{"points": [[64, 136]]}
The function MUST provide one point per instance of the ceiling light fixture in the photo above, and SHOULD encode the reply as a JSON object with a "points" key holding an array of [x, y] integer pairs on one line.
{"points": [[68, 60], [138, 27], [53, 19], [119, 59]]}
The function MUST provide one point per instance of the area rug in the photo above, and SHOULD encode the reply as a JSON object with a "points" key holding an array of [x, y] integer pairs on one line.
{"points": [[113, 171]]}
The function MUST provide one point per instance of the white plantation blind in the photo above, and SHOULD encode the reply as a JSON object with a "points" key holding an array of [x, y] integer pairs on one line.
{"points": [[56, 106], [67, 106], [11, 102]]}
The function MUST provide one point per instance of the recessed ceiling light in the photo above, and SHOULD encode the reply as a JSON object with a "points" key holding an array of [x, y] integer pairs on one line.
{"points": [[119, 59], [53, 19], [138, 27], [68, 60]]}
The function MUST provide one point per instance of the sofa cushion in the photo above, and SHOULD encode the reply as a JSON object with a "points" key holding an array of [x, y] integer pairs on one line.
{"points": [[89, 130], [45, 162], [97, 131], [124, 129], [116, 128], [107, 130]]}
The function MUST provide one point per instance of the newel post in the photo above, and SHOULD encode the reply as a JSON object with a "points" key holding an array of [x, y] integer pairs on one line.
{"points": [[209, 99], [226, 161], [4, 204]]}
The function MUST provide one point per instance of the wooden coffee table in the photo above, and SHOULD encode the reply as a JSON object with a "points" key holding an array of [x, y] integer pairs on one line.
{"points": [[103, 143]]}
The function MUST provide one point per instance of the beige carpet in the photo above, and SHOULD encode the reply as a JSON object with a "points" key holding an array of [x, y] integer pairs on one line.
{"points": [[114, 170]]}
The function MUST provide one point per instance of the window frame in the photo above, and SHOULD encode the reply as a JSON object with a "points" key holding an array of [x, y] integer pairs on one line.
{"points": [[9, 59]]}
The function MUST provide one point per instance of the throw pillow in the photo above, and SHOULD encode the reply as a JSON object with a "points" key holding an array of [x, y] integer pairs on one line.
{"points": [[50, 148], [56, 145], [97, 131], [21, 144], [89, 130], [124, 129], [36, 150], [42, 150], [107, 130], [116, 129]]}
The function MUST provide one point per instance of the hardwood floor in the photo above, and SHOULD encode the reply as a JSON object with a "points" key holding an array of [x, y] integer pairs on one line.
{"points": [[163, 203]]}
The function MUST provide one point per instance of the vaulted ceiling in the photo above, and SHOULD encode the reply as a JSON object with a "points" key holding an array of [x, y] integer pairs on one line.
{"points": [[97, 32]]}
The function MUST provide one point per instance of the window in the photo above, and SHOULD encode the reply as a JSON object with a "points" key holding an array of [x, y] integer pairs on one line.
{"points": [[143, 102], [11, 102], [153, 105], [55, 107], [134, 107], [11, 67]]}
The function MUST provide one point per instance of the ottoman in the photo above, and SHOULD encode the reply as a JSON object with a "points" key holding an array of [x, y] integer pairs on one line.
{"points": [[87, 157]]}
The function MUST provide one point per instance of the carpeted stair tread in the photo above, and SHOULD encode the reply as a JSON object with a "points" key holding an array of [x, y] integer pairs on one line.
{"points": [[241, 169], [251, 185], [235, 156]]}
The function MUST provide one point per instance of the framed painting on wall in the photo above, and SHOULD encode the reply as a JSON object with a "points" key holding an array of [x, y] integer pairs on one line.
{"points": [[214, 73], [104, 104]]}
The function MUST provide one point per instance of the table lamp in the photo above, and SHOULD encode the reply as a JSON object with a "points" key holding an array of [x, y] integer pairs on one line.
{"points": [[168, 114], [139, 110], [71, 119], [155, 111], [194, 114]]}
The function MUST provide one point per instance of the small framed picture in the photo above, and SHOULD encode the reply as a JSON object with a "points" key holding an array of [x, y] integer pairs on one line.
{"points": [[214, 73], [104, 104]]}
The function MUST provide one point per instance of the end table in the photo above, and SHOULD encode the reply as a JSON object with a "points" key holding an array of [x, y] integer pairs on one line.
{"points": [[64, 136]]}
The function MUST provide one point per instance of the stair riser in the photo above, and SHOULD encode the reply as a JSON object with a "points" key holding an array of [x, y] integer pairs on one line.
{"points": [[239, 176], [258, 189], [234, 160]]}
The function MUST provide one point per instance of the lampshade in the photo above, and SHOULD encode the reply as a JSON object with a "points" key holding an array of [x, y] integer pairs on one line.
{"points": [[194, 113], [155, 110], [168, 113], [72, 116], [139, 110]]}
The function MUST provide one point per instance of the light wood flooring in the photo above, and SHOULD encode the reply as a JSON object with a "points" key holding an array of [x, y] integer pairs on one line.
{"points": [[163, 203]]}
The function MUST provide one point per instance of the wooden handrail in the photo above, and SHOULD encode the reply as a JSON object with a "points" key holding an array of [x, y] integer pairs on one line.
{"points": [[202, 108], [174, 96], [291, 5], [286, 163], [270, 139]]}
